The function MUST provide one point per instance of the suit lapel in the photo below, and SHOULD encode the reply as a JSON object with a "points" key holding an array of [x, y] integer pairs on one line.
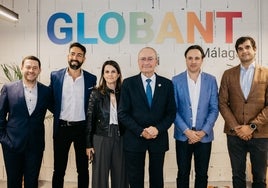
{"points": [[185, 87], [203, 88], [60, 83], [236, 77], [157, 89], [21, 96], [39, 97], [255, 79], [140, 88]]}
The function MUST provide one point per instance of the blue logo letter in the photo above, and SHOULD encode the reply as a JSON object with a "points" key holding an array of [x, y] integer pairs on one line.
{"points": [[67, 30]]}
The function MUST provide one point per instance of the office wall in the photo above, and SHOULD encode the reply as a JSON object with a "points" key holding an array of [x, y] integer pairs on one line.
{"points": [[118, 29]]}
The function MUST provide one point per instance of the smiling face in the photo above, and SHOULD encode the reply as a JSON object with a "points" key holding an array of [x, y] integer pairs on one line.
{"points": [[30, 70], [194, 60], [246, 53], [147, 60], [76, 58], [110, 74]]}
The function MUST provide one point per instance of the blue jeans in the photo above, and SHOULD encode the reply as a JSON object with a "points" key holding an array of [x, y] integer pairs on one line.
{"points": [[238, 149], [184, 152]]}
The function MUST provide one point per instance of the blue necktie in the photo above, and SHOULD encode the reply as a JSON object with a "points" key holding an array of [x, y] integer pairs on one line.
{"points": [[149, 92]]}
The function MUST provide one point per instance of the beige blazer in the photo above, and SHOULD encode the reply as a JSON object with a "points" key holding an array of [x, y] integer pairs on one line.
{"points": [[236, 110]]}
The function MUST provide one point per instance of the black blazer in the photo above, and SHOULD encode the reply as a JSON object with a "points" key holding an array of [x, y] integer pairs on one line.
{"points": [[135, 113], [18, 129]]}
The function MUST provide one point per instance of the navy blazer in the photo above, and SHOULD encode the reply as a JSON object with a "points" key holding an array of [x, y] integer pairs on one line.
{"points": [[18, 128], [135, 114], [207, 110], [56, 83]]}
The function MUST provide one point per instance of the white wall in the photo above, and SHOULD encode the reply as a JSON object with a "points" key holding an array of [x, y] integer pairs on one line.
{"points": [[29, 36]]}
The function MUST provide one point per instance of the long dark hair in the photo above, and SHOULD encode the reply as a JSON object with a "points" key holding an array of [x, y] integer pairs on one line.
{"points": [[102, 83]]}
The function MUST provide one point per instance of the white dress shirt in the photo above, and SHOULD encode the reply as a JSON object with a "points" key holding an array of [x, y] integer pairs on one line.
{"points": [[152, 83], [72, 101], [194, 92]]}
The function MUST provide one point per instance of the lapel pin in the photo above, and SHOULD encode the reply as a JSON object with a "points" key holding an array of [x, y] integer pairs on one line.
{"points": [[159, 85]]}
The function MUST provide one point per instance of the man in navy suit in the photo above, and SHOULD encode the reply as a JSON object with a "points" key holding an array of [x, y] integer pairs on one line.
{"points": [[23, 106], [146, 121], [71, 89], [196, 96]]}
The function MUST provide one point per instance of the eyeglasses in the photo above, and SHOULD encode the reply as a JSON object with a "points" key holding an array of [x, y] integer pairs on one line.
{"points": [[149, 59]]}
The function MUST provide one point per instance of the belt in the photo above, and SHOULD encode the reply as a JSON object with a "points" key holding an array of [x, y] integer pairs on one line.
{"points": [[114, 124], [193, 128], [64, 123]]}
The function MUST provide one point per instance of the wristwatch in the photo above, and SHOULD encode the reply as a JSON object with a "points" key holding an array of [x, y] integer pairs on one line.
{"points": [[253, 126]]}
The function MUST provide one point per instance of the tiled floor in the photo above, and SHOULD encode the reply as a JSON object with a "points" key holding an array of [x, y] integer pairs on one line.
{"points": [[46, 184]]}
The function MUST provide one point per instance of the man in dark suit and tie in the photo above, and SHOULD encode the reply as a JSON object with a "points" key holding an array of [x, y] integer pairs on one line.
{"points": [[71, 90], [23, 106], [147, 110]]}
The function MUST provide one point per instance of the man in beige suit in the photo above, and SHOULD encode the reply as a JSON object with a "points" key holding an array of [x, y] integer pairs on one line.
{"points": [[243, 102]]}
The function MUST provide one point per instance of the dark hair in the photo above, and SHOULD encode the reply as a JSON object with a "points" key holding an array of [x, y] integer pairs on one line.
{"points": [[31, 57], [197, 47], [78, 45], [102, 83], [241, 40]]}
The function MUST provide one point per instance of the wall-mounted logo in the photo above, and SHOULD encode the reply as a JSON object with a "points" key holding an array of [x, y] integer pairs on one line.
{"points": [[142, 27]]}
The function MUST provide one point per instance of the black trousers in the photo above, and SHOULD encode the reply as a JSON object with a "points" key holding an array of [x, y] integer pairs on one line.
{"points": [[184, 154], [62, 143], [25, 164], [257, 149], [135, 162]]}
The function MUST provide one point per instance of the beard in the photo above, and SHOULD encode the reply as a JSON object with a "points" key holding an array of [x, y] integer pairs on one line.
{"points": [[75, 64]]}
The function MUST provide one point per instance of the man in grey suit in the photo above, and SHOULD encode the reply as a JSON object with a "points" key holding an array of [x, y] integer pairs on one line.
{"points": [[23, 106], [243, 102], [147, 110]]}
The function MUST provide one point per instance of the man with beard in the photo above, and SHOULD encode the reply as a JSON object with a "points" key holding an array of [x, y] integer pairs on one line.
{"points": [[71, 89], [243, 102]]}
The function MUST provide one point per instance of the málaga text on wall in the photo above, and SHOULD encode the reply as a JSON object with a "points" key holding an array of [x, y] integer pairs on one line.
{"points": [[61, 28]]}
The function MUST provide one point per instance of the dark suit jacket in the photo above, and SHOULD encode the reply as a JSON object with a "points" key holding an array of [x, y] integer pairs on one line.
{"points": [[18, 129], [56, 83], [135, 113], [236, 110]]}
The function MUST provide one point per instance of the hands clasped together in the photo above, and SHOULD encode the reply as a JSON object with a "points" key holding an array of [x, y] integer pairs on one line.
{"points": [[150, 132], [244, 132], [194, 136]]}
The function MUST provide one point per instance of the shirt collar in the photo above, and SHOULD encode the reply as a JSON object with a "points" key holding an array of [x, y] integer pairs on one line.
{"points": [[34, 87], [144, 78], [251, 66], [67, 73], [198, 78]]}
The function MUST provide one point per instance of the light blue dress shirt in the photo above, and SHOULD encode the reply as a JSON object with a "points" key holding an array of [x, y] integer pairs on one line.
{"points": [[246, 76]]}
